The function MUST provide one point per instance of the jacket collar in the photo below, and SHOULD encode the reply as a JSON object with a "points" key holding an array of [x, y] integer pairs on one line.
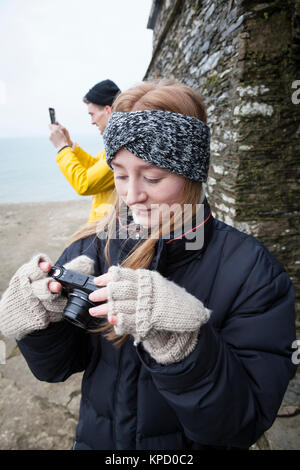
{"points": [[169, 253]]}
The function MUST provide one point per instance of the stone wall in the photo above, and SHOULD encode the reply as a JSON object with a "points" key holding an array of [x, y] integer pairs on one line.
{"points": [[243, 58]]}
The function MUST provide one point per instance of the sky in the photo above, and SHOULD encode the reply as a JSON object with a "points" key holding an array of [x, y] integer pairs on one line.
{"points": [[53, 51]]}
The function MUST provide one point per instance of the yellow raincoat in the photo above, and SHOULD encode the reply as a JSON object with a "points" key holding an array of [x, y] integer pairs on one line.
{"points": [[89, 176]]}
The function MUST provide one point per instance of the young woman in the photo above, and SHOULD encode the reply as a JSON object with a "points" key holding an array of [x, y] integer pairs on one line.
{"points": [[193, 349]]}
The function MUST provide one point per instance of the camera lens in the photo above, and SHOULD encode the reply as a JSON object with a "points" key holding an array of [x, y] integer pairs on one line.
{"points": [[77, 310]]}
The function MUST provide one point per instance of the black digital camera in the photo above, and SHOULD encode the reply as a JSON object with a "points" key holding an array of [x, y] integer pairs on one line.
{"points": [[77, 287]]}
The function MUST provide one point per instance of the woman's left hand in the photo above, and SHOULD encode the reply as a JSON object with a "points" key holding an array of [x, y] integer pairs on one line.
{"points": [[154, 310], [138, 301], [101, 295]]}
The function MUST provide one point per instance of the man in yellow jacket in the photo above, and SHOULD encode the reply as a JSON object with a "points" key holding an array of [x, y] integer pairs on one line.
{"points": [[88, 175]]}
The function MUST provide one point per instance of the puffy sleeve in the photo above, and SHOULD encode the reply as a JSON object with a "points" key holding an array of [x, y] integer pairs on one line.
{"points": [[57, 352], [228, 390]]}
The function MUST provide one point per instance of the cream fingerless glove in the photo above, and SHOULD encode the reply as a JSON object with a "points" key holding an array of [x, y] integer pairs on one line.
{"points": [[156, 311], [27, 305]]}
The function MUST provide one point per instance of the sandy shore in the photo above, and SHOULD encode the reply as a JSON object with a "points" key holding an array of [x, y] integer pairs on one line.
{"points": [[35, 415], [30, 228]]}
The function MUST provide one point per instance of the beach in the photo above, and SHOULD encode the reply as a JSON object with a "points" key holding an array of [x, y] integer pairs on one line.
{"points": [[35, 415], [37, 227]]}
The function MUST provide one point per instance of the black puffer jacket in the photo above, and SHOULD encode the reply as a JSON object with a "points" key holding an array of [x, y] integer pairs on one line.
{"points": [[225, 394]]}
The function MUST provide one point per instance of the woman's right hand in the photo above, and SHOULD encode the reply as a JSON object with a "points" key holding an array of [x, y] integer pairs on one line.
{"points": [[31, 288], [53, 286]]}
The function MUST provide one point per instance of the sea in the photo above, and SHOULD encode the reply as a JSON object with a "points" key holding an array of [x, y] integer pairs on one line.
{"points": [[29, 172]]}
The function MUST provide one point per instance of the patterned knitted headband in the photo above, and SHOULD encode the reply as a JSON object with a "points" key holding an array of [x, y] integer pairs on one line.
{"points": [[173, 141]]}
